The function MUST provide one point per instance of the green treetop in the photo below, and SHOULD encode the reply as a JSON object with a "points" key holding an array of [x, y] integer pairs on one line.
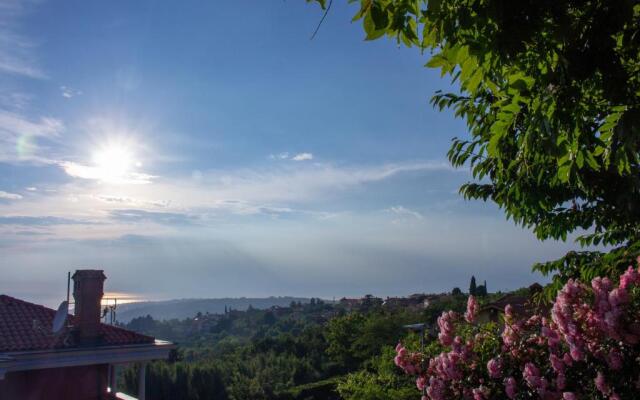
{"points": [[550, 92], [472, 286]]}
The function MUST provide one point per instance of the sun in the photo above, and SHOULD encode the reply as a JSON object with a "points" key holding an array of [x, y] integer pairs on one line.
{"points": [[114, 161]]}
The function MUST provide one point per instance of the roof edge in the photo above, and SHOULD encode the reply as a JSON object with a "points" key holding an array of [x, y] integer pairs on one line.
{"points": [[75, 357]]}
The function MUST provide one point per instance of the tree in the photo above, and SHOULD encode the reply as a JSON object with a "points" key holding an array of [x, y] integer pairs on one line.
{"points": [[550, 92], [472, 286], [382, 381], [341, 334], [456, 291]]}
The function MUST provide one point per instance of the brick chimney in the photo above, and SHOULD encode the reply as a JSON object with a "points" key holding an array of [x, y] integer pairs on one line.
{"points": [[87, 294]]}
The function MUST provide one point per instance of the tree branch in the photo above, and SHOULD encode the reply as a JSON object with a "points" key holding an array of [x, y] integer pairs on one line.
{"points": [[322, 20]]}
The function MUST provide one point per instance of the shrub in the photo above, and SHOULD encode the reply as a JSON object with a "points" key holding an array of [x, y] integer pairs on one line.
{"points": [[587, 347]]}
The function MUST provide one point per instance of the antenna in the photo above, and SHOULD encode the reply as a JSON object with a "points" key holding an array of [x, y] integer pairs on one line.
{"points": [[60, 319], [68, 284], [109, 310]]}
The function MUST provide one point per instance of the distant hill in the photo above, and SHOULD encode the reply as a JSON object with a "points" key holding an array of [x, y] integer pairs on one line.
{"points": [[184, 308]]}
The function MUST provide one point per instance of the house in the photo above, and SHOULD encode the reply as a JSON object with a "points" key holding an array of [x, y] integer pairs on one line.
{"points": [[415, 302], [350, 304], [80, 361], [523, 306]]}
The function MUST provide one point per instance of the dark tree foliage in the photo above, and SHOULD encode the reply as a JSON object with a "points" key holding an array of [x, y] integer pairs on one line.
{"points": [[305, 352], [550, 92], [472, 286]]}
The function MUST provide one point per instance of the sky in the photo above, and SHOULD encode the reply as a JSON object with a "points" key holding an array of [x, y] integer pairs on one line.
{"points": [[211, 149]]}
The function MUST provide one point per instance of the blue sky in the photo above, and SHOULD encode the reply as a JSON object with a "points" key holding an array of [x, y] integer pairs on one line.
{"points": [[210, 149]]}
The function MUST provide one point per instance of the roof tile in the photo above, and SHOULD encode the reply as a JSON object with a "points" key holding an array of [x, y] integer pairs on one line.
{"points": [[26, 326]]}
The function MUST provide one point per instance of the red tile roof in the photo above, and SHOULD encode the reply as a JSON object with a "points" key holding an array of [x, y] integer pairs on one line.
{"points": [[26, 326]]}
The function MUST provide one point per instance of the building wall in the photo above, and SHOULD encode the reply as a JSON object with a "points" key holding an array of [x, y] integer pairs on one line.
{"points": [[73, 383]]}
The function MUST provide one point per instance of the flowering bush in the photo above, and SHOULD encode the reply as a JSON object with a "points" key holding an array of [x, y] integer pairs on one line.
{"points": [[588, 347]]}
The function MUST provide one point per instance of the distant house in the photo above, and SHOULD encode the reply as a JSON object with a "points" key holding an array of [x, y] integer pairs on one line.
{"points": [[78, 362], [350, 304], [415, 302], [523, 306]]}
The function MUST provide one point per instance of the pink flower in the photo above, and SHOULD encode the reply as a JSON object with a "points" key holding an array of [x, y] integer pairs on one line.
{"points": [[614, 359], [630, 277], [556, 363], [531, 375], [472, 310], [593, 323], [601, 383], [618, 297], [576, 353], [510, 387], [508, 313], [436, 389], [561, 381], [447, 327], [494, 366], [478, 394]]}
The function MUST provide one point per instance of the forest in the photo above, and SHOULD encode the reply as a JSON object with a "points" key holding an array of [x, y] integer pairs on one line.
{"points": [[316, 350]]}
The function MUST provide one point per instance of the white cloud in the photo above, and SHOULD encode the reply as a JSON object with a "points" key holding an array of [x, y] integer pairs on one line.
{"points": [[9, 196], [68, 92], [19, 136], [405, 213], [309, 191], [32, 188], [302, 157], [287, 156], [285, 184], [16, 51], [15, 100], [100, 174], [280, 156], [14, 124], [112, 199]]}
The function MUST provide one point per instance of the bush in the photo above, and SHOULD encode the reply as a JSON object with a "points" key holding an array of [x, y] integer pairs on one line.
{"points": [[588, 348]]}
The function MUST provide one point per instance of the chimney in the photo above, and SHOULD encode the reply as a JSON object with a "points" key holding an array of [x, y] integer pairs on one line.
{"points": [[87, 294]]}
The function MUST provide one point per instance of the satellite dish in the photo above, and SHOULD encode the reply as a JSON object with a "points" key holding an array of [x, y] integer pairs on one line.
{"points": [[61, 317]]}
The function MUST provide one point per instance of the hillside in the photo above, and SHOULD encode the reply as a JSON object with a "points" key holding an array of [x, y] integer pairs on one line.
{"points": [[296, 352], [185, 308]]}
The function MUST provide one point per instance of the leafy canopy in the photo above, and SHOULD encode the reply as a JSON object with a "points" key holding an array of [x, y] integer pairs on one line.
{"points": [[550, 92]]}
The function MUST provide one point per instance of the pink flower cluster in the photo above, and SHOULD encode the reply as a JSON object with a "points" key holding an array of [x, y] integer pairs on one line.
{"points": [[446, 325], [410, 362], [586, 347], [472, 310]]}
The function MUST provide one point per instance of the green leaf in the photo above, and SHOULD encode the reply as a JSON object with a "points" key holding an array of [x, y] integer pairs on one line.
{"points": [[580, 159], [379, 16], [564, 172], [370, 28], [494, 142], [593, 163]]}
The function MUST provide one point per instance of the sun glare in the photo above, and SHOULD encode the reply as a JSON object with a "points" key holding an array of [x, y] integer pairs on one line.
{"points": [[114, 161]]}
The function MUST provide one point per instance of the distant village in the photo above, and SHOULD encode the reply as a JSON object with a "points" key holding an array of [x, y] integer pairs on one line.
{"points": [[320, 311]]}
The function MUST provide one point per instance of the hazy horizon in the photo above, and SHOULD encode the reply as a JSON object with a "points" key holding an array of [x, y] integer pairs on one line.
{"points": [[215, 151]]}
